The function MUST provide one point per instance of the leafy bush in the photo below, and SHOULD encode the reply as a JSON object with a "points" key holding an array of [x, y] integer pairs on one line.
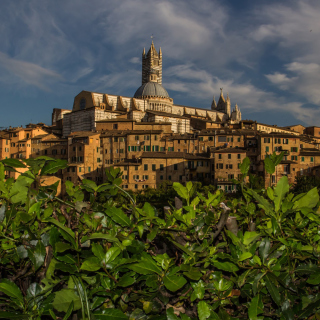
{"points": [[95, 255]]}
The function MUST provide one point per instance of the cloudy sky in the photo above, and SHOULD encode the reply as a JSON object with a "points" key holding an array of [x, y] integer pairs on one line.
{"points": [[265, 54]]}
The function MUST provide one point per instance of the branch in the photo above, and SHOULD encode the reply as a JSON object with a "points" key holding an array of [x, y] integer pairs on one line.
{"points": [[223, 220]]}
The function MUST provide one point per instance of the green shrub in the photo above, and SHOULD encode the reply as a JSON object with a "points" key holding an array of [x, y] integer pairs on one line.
{"points": [[99, 255]]}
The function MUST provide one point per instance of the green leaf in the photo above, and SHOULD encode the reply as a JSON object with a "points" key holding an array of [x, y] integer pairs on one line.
{"points": [[112, 253], [307, 268], [314, 279], [108, 314], [118, 216], [262, 202], [181, 190], [264, 249], [225, 266], [12, 290], [10, 315], [37, 255], [91, 264], [125, 281], [2, 173], [63, 299], [89, 185], [273, 290], [303, 314], [269, 165], [14, 163], [256, 307], [2, 212], [173, 282], [245, 166], [245, 256], [203, 310], [280, 190], [69, 233], [98, 251], [171, 315], [198, 290], [69, 311], [309, 200], [104, 236], [250, 236], [145, 267], [62, 246], [54, 166]]}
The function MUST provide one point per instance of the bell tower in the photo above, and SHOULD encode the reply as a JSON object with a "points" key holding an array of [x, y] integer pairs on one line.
{"points": [[151, 61]]}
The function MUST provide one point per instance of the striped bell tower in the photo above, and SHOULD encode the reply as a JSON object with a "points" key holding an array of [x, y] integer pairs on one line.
{"points": [[151, 61]]}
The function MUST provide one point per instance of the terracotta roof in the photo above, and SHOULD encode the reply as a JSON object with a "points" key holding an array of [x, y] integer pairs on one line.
{"points": [[112, 133], [230, 150], [83, 134], [179, 155]]}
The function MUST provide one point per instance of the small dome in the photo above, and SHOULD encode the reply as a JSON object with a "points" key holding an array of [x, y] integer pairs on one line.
{"points": [[151, 89]]}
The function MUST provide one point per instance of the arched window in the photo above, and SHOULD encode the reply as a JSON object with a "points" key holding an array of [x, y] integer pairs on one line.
{"points": [[82, 104]]}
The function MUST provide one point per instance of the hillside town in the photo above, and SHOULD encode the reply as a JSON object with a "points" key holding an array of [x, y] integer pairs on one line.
{"points": [[153, 140]]}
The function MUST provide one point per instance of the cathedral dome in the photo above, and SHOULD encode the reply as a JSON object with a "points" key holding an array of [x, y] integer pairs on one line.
{"points": [[151, 89]]}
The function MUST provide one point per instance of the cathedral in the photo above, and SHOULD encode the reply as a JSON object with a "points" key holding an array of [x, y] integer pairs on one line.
{"points": [[150, 103]]}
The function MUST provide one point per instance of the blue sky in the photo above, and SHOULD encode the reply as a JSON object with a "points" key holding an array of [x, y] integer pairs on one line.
{"points": [[265, 54]]}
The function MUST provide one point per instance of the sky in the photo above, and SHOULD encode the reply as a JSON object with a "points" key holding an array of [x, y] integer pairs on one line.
{"points": [[264, 54]]}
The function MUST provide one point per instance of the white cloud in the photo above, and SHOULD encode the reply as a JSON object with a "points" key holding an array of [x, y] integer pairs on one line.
{"points": [[30, 73]]}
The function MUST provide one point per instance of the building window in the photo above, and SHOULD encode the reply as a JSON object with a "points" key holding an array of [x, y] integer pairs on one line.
{"points": [[171, 149], [210, 138], [89, 169], [229, 156], [267, 149], [239, 156], [153, 167], [146, 137], [136, 168], [222, 139], [273, 179], [311, 159], [285, 141], [239, 139], [302, 159], [220, 156], [115, 126], [136, 138], [230, 166], [161, 177], [155, 137], [200, 138], [155, 148], [136, 177], [82, 104], [115, 139], [79, 169], [175, 167], [145, 167], [136, 186], [169, 177], [74, 149], [162, 149], [145, 177], [161, 167]]}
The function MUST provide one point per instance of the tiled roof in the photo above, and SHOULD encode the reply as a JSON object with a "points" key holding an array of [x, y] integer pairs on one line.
{"points": [[230, 150], [172, 155]]}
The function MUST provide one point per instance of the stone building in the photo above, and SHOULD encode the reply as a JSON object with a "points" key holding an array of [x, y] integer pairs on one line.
{"points": [[153, 140]]}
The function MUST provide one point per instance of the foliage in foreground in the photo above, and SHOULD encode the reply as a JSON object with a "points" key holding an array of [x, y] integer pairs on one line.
{"points": [[121, 260]]}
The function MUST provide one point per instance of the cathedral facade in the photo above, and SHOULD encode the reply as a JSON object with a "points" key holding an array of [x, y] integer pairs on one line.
{"points": [[150, 103]]}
